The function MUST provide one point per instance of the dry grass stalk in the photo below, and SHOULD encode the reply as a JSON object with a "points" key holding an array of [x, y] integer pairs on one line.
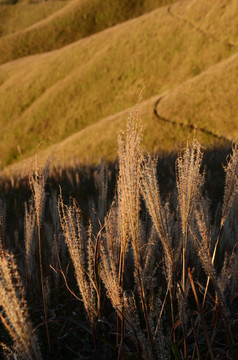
{"points": [[55, 239], [231, 189], [134, 328], [150, 191], [110, 259], [2, 221], [101, 180], [37, 183], [201, 314], [30, 228], [72, 227], [189, 183], [15, 316], [202, 246], [30, 223], [128, 191], [130, 158], [231, 184], [7, 352], [128, 187]]}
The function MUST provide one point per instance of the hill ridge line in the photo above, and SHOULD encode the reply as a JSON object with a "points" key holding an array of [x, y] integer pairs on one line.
{"points": [[40, 22], [83, 38], [64, 79]]}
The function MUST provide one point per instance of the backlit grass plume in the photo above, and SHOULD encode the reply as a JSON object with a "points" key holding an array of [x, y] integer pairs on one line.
{"points": [[150, 191], [231, 184], [37, 184], [189, 183], [82, 256], [130, 159], [15, 316]]}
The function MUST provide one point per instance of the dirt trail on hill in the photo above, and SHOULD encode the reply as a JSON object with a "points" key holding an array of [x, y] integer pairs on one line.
{"points": [[188, 126], [191, 126]]}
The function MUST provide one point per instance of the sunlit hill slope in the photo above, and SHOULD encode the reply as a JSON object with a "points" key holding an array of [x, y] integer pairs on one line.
{"points": [[74, 97]]}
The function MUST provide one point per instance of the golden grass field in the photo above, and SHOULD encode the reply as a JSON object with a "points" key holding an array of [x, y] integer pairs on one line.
{"points": [[118, 180], [186, 49]]}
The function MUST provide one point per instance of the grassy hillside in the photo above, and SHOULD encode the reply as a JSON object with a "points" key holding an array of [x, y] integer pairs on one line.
{"points": [[51, 96], [207, 101], [77, 19], [83, 223], [22, 14], [201, 14]]}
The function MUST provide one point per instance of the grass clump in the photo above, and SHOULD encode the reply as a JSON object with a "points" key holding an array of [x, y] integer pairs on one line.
{"points": [[15, 314], [127, 282]]}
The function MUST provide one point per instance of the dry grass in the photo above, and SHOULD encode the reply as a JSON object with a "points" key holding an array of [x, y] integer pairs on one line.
{"points": [[45, 26], [134, 269], [205, 104], [15, 314], [22, 14]]}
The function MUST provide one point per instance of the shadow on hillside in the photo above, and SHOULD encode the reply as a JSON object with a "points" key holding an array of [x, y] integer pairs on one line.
{"points": [[81, 183]]}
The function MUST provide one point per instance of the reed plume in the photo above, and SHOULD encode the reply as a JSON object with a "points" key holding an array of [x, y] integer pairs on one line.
{"points": [[30, 244], [15, 315], [189, 183], [230, 192], [130, 158], [150, 191], [110, 260], [2, 221], [231, 183], [129, 151], [72, 227], [37, 184], [202, 246]]}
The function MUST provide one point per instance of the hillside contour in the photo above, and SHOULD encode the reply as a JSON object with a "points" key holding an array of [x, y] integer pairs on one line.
{"points": [[63, 94], [66, 22], [201, 96]]}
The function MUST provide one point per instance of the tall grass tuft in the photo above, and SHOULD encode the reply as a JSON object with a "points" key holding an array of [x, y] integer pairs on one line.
{"points": [[37, 183], [130, 159], [159, 214], [138, 263], [82, 254], [231, 184], [30, 244], [15, 315], [189, 184]]}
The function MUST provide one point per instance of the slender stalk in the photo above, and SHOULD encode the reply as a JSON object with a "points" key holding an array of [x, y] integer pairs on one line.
{"points": [[145, 311], [201, 314], [184, 259], [43, 288], [213, 259], [37, 183]]}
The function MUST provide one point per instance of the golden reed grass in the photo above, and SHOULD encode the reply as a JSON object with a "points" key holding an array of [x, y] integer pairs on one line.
{"points": [[140, 266]]}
